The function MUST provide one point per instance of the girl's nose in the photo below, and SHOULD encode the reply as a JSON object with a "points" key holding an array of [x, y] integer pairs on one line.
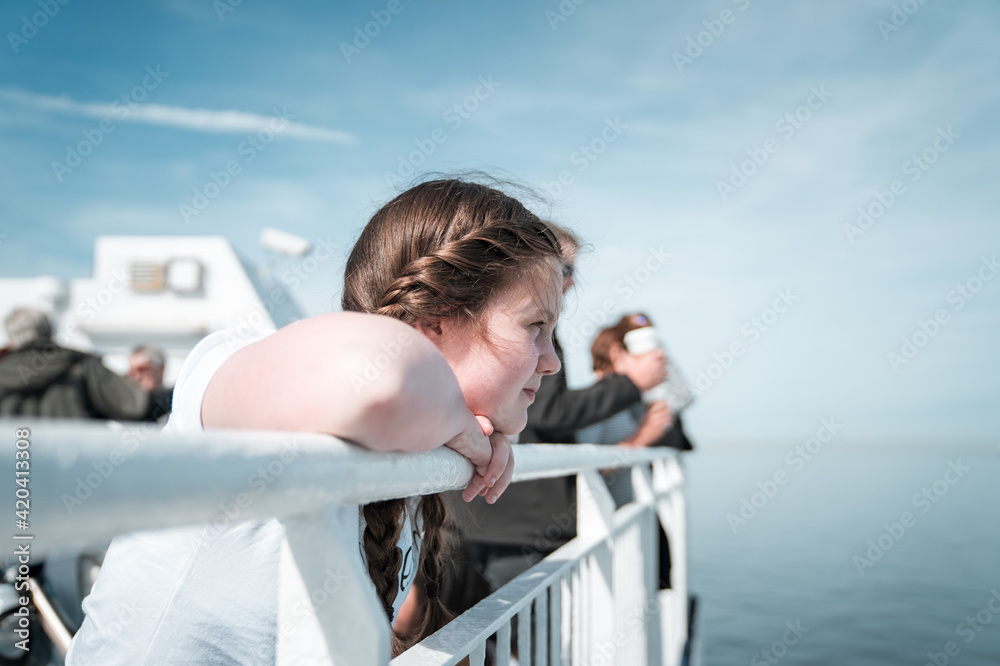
{"points": [[548, 360]]}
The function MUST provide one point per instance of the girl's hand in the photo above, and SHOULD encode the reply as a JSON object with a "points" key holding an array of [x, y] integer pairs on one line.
{"points": [[491, 454]]}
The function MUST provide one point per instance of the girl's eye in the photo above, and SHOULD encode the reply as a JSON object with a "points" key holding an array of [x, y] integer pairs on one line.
{"points": [[543, 331]]}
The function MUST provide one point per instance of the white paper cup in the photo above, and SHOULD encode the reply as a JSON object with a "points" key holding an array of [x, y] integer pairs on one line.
{"points": [[641, 341]]}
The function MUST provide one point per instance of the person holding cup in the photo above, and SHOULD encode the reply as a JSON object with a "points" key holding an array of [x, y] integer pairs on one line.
{"points": [[656, 421]]}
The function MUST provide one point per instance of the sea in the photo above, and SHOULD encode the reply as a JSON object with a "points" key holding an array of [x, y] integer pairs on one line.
{"points": [[852, 556]]}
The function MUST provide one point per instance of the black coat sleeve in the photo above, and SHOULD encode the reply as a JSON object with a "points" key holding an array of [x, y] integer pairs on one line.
{"points": [[559, 412], [113, 396]]}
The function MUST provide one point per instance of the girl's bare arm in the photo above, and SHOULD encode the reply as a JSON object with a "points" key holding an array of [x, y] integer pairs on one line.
{"points": [[369, 379]]}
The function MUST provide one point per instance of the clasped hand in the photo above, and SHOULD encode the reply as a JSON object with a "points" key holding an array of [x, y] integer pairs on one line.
{"points": [[490, 453]]}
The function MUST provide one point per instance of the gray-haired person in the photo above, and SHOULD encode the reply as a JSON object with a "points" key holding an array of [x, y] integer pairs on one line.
{"points": [[145, 367], [40, 378]]}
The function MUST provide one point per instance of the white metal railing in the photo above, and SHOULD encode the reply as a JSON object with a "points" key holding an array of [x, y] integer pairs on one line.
{"points": [[593, 601]]}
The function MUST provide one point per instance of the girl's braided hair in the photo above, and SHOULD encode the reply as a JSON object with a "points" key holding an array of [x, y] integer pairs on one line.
{"points": [[444, 248]]}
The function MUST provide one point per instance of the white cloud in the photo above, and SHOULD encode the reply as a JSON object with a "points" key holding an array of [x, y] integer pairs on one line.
{"points": [[200, 120]]}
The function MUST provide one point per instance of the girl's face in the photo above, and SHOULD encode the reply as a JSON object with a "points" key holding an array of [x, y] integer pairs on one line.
{"points": [[500, 373]]}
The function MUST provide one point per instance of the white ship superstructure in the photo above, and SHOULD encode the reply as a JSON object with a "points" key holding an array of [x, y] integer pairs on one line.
{"points": [[168, 291]]}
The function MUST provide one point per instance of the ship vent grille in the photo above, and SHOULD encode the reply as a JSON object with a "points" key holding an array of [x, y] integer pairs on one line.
{"points": [[146, 275]]}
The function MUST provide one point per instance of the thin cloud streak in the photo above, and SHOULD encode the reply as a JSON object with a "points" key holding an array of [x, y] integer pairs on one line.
{"points": [[199, 120]]}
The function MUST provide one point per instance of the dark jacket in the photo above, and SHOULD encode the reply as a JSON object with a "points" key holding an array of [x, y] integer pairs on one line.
{"points": [[676, 437], [542, 514], [45, 380], [160, 401]]}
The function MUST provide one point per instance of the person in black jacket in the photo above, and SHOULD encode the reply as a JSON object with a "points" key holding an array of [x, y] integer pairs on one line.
{"points": [[537, 517], [40, 378]]}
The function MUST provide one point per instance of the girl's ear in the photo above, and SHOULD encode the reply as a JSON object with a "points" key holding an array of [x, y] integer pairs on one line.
{"points": [[431, 328]]}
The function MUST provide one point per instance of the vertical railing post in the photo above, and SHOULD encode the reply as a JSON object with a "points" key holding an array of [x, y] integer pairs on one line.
{"points": [[328, 612], [668, 485], [642, 487], [595, 517], [681, 575]]}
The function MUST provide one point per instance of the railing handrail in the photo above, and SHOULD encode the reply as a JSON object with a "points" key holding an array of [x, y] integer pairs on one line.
{"points": [[510, 600], [90, 482]]}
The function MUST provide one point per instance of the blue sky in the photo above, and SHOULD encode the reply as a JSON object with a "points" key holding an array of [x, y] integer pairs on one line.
{"points": [[642, 139]]}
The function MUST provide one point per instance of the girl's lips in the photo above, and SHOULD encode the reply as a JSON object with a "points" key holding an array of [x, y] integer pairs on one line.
{"points": [[531, 394]]}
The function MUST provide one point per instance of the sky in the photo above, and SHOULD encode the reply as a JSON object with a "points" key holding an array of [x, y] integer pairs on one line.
{"points": [[802, 196]]}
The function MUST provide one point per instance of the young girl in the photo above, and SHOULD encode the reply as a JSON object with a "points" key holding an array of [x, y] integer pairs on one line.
{"points": [[466, 283]]}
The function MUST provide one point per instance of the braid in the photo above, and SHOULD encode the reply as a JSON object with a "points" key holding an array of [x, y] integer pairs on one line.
{"points": [[384, 524], [439, 538], [450, 280], [444, 248]]}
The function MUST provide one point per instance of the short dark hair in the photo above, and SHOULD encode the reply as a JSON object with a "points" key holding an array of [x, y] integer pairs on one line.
{"points": [[606, 338]]}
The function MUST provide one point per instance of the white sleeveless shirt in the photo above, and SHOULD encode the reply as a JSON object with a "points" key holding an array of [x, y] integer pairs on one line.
{"points": [[200, 594]]}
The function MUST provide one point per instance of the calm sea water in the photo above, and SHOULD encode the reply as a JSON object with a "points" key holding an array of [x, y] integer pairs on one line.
{"points": [[794, 561]]}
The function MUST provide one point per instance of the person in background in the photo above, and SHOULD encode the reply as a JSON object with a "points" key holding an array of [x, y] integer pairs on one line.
{"points": [[145, 367], [537, 517], [40, 378], [638, 426]]}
